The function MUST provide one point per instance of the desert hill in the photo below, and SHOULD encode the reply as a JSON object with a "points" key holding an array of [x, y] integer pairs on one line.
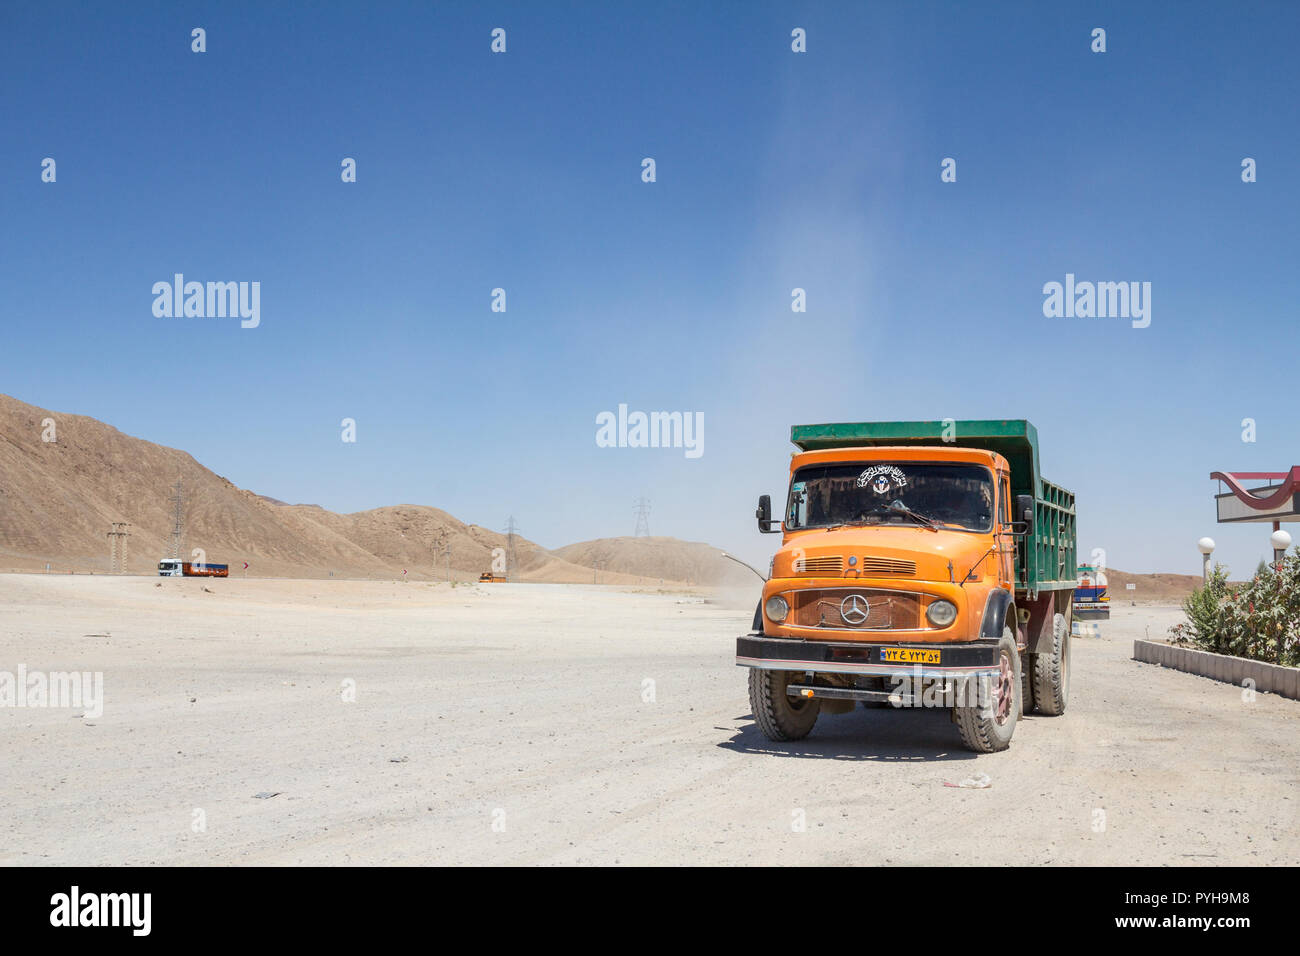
{"points": [[668, 558], [59, 498], [1150, 588]]}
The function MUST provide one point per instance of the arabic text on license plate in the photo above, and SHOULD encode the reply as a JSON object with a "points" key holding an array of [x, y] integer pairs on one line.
{"points": [[909, 655]]}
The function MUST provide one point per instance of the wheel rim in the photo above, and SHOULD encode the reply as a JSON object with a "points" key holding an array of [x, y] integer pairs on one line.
{"points": [[1006, 693]]}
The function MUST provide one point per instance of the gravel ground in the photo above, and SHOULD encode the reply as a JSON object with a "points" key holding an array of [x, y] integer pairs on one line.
{"points": [[572, 724]]}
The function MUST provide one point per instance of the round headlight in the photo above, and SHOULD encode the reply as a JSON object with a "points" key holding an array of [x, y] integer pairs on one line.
{"points": [[776, 608], [941, 613]]}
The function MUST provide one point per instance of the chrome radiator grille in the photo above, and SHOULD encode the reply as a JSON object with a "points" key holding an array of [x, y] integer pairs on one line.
{"points": [[857, 609]]}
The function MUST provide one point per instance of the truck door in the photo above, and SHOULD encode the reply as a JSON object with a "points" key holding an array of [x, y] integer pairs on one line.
{"points": [[1006, 541]]}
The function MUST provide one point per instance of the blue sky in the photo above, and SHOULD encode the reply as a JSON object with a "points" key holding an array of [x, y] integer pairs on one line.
{"points": [[775, 170]]}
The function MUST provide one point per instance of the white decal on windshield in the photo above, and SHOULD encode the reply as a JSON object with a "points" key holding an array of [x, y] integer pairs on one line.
{"points": [[882, 479]]}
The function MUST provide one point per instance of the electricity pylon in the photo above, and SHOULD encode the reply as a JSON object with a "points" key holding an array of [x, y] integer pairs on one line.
{"points": [[178, 515], [642, 509], [117, 547], [511, 530]]}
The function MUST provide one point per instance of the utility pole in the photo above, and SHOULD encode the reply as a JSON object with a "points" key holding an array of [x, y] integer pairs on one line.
{"points": [[642, 510], [442, 547], [511, 530], [178, 515], [117, 547]]}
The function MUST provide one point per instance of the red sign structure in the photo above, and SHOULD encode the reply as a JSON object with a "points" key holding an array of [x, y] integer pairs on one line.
{"points": [[1275, 501]]}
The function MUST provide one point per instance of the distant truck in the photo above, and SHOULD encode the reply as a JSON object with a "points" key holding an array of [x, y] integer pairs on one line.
{"points": [[171, 568], [487, 577], [922, 564], [1091, 602]]}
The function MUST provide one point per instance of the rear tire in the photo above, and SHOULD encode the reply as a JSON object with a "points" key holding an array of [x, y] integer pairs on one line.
{"points": [[780, 717], [987, 725], [1026, 684], [1052, 671]]}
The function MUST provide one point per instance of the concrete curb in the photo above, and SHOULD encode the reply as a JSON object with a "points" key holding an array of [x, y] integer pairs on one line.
{"points": [[1273, 678]]}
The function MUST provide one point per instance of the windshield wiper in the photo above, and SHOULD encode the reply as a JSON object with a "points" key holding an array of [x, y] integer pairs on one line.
{"points": [[897, 507], [925, 520]]}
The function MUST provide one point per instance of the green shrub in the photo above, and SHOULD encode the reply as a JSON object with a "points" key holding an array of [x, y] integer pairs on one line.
{"points": [[1259, 620]]}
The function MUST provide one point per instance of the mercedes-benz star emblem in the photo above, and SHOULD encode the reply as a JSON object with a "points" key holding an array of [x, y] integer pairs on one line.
{"points": [[854, 609]]}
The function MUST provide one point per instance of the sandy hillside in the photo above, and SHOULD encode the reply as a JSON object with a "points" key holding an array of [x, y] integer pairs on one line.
{"points": [[668, 558], [1163, 589], [59, 499], [416, 537]]}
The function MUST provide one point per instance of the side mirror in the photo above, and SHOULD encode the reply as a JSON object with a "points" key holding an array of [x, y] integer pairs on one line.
{"points": [[1025, 512], [764, 515]]}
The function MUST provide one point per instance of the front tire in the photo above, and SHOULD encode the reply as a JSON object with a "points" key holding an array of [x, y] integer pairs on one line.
{"points": [[1052, 671], [778, 716], [987, 724]]}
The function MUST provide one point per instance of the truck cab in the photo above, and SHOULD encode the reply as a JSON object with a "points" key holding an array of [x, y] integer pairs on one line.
{"points": [[921, 564], [893, 543]]}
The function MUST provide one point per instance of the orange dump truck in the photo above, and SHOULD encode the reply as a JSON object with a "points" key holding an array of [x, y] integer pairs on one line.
{"points": [[922, 564]]}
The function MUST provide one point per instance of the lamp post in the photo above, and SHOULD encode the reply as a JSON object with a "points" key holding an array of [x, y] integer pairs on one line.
{"points": [[1280, 541], [1206, 547]]}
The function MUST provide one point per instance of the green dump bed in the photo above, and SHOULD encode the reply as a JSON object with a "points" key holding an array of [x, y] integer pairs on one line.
{"points": [[1045, 563]]}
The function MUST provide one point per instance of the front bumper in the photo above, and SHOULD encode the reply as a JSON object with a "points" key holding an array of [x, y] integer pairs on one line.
{"points": [[781, 654]]}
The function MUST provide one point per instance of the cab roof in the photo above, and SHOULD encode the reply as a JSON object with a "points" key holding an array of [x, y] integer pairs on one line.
{"points": [[942, 453], [1015, 439]]}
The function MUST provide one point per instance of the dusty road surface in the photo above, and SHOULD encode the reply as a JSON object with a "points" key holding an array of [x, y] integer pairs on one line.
{"points": [[515, 724]]}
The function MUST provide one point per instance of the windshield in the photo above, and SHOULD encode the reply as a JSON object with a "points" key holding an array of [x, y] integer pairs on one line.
{"points": [[897, 492]]}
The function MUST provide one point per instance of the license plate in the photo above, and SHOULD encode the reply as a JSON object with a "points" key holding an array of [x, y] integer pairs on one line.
{"points": [[909, 655]]}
